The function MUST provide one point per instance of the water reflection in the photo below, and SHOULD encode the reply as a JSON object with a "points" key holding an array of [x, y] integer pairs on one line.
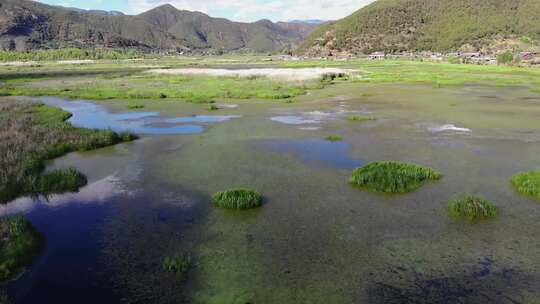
{"points": [[315, 151], [97, 192], [89, 115]]}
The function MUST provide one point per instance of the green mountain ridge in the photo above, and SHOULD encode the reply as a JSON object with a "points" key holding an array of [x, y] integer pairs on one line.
{"points": [[426, 25], [31, 25]]}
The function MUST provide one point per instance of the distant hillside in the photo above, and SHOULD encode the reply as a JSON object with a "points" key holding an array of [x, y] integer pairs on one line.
{"points": [[434, 25], [29, 25]]}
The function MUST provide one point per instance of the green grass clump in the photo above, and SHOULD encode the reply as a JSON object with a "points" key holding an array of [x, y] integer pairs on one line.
{"points": [[60, 181], [178, 264], [134, 106], [360, 118], [393, 177], [527, 183], [334, 138], [239, 198], [213, 107], [471, 207], [19, 245]]}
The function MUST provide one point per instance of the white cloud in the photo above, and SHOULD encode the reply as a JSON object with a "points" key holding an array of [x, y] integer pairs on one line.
{"points": [[249, 10]]}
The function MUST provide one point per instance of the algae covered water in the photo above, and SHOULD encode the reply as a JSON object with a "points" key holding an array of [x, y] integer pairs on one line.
{"points": [[316, 239]]}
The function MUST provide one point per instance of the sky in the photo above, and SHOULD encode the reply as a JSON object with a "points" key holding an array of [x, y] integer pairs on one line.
{"points": [[237, 10]]}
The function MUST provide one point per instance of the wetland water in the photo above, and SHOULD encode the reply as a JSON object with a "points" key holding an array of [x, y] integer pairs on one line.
{"points": [[316, 239]]}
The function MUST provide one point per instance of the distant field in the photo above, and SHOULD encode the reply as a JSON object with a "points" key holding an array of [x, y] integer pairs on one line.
{"points": [[128, 79]]}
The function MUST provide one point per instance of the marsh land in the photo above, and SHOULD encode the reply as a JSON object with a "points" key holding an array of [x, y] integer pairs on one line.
{"points": [[254, 180]]}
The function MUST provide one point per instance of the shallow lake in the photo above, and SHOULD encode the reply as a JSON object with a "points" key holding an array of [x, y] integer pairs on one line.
{"points": [[316, 239]]}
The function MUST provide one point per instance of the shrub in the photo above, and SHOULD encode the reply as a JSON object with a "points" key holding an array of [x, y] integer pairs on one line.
{"points": [[505, 58], [527, 183], [471, 207], [19, 245], [393, 177], [334, 138], [239, 198], [178, 264]]}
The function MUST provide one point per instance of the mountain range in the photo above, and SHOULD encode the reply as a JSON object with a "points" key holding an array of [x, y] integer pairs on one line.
{"points": [[27, 24], [429, 25]]}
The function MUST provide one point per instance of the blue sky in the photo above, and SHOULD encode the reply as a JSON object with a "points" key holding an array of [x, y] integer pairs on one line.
{"points": [[238, 10]]}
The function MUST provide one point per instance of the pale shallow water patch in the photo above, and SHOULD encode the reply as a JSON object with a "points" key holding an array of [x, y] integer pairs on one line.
{"points": [[277, 73], [448, 128]]}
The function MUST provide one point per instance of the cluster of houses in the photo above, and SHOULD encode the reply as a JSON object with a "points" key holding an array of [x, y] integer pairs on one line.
{"points": [[525, 58], [531, 58]]}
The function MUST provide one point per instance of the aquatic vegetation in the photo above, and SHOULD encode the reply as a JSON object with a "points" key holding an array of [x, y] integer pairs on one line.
{"points": [[471, 207], [213, 107], [178, 264], [134, 106], [239, 198], [19, 245], [58, 181], [360, 118], [33, 133], [393, 177], [334, 138], [4, 299], [527, 183]]}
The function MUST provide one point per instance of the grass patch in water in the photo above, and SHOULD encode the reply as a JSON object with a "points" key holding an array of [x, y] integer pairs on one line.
{"points": [[19, 245], [360, 118], [334, 138], [527, 183], [213, 107], [240, 198], [32, 134], [134, 106], [178, 264], [393, 177], [471, 207]]}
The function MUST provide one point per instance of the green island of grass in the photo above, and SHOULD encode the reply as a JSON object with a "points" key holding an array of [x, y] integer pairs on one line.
{"points": [[471, 207], [178, 264], [239, 198], [334, 138], [393, 177], [34, 133], [360, 118], [527, 183], [20, 243]]}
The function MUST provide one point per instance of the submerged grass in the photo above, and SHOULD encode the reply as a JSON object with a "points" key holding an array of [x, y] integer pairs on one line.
{"points": [[178, 264], [33, 133], [239, 198], [393, 177], [19, 245], [527, 183], [471, 207]]}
